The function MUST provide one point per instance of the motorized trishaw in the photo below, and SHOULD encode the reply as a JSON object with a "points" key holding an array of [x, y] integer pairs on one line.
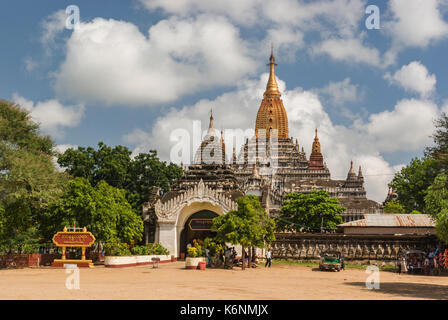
{"points": [[330, 260]]}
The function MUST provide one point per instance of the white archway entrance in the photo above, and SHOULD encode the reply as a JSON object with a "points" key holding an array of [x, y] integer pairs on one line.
{"points": [[173, 214]]}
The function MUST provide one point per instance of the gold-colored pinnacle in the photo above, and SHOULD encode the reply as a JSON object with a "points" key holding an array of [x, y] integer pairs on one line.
{"points": [[272, 87], [316, 144]]}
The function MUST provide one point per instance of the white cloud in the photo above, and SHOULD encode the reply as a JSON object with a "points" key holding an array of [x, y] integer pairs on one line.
{"points": [[348, 50], [416, 23], [414, 77], [61, 148], [52, 26], [406, 128], [341, 92], [112, 61], [51, 114], [286, 22]]}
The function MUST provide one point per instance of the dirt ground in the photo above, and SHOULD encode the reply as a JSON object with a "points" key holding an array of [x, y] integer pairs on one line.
{"points": [[172, 281]]}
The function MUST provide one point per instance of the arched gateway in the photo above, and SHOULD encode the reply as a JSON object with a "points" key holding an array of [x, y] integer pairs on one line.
{"points": [[178, 219]]}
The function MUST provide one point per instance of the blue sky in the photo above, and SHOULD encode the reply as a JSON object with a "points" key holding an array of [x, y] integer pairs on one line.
{"points": [[132, 72]]}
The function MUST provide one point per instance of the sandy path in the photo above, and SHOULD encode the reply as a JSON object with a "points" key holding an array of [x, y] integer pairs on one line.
{"points": [[172, 281]]}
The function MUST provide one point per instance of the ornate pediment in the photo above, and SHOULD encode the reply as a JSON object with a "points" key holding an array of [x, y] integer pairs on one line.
{"points": [[167, 212]]}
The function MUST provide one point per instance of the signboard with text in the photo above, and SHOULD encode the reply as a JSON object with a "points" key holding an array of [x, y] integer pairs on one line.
{"points": [[201, 224], [73, 239]]}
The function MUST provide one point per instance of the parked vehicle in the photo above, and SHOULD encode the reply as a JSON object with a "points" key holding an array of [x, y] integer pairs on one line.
{"points": [[330, 260], [414, 260]]}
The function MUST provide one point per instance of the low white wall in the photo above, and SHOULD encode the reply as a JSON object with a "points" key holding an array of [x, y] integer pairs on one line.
{"points": [[131, 261]]}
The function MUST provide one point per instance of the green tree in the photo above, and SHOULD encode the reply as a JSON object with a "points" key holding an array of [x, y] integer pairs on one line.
{"points": [[412, 182], [312, 212], [394, 207], [437, 205], [439, 151], [116, 166], [248, 226], [29, 180], [103, 209]]}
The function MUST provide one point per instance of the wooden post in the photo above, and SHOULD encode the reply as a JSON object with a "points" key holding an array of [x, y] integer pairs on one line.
{"points": [[63, 252]]}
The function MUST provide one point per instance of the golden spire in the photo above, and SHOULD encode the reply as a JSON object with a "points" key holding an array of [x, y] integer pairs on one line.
{"points": [[316, 144], [272, 87]]}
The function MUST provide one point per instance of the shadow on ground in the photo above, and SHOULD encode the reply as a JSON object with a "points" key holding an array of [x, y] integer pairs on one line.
{"points": [[410, 290]]}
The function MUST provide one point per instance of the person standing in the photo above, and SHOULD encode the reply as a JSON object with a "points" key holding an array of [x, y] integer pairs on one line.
{"points": [[342, 262], [404, 268], [268, 258]]}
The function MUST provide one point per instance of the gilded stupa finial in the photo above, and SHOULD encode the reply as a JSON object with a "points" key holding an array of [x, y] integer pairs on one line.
{"points": [[272, 87], [316, 144]]}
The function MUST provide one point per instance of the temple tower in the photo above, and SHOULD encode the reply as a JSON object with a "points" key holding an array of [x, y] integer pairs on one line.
{"points": [[316, 158], [271, 114]]}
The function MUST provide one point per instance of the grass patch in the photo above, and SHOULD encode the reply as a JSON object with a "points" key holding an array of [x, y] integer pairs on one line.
{"points": [[312, 264]]}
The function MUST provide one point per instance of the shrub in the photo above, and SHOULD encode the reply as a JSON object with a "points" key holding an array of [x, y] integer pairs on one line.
{"points": [[115, 247], [160, 250], [192, 252], [213, 245], [139, 250]]}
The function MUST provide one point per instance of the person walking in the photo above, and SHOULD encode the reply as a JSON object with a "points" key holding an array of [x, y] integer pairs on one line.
{"points": [[342, 262], [268, 258]]}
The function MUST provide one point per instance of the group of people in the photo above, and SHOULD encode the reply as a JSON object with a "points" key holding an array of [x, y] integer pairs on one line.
{"points": [[432, 263], [228, 258]]}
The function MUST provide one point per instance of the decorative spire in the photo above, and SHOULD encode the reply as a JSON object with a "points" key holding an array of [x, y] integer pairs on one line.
{"points": [[351, 173], [316, 144], [316, 158], [255, 171], [351, 167], [359, 172], [272, 87], [234, 155], [211, 125]]}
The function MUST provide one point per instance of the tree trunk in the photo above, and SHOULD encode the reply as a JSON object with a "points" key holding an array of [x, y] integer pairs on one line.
{"points": [[242, 258], [249, 260]]}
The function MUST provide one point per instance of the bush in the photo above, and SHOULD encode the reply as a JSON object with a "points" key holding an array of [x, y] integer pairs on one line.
{"points": [[139, 250], [115, 247], [192, 252], [160, 250], [213, 245]]}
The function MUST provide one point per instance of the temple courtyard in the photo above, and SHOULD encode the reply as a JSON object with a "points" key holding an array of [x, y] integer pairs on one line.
{"points": [[172, 281]]}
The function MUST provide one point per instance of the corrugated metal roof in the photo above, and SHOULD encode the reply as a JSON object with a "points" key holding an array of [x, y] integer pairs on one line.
{"points": [[392, 220]]}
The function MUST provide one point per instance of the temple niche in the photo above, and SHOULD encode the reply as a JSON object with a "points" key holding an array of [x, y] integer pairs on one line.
{"points": [[269, 165]]}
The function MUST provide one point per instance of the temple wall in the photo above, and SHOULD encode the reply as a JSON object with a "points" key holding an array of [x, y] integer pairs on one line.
{"points": [[295, 246]]}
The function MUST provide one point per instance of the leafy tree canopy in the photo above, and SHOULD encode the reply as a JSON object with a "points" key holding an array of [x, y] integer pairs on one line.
{"points": [[437, 205], [248, 226], [116, 166], [29, 180], [412, 182], [394, 207], [310, 212], [103, 209], [439, 151]]}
